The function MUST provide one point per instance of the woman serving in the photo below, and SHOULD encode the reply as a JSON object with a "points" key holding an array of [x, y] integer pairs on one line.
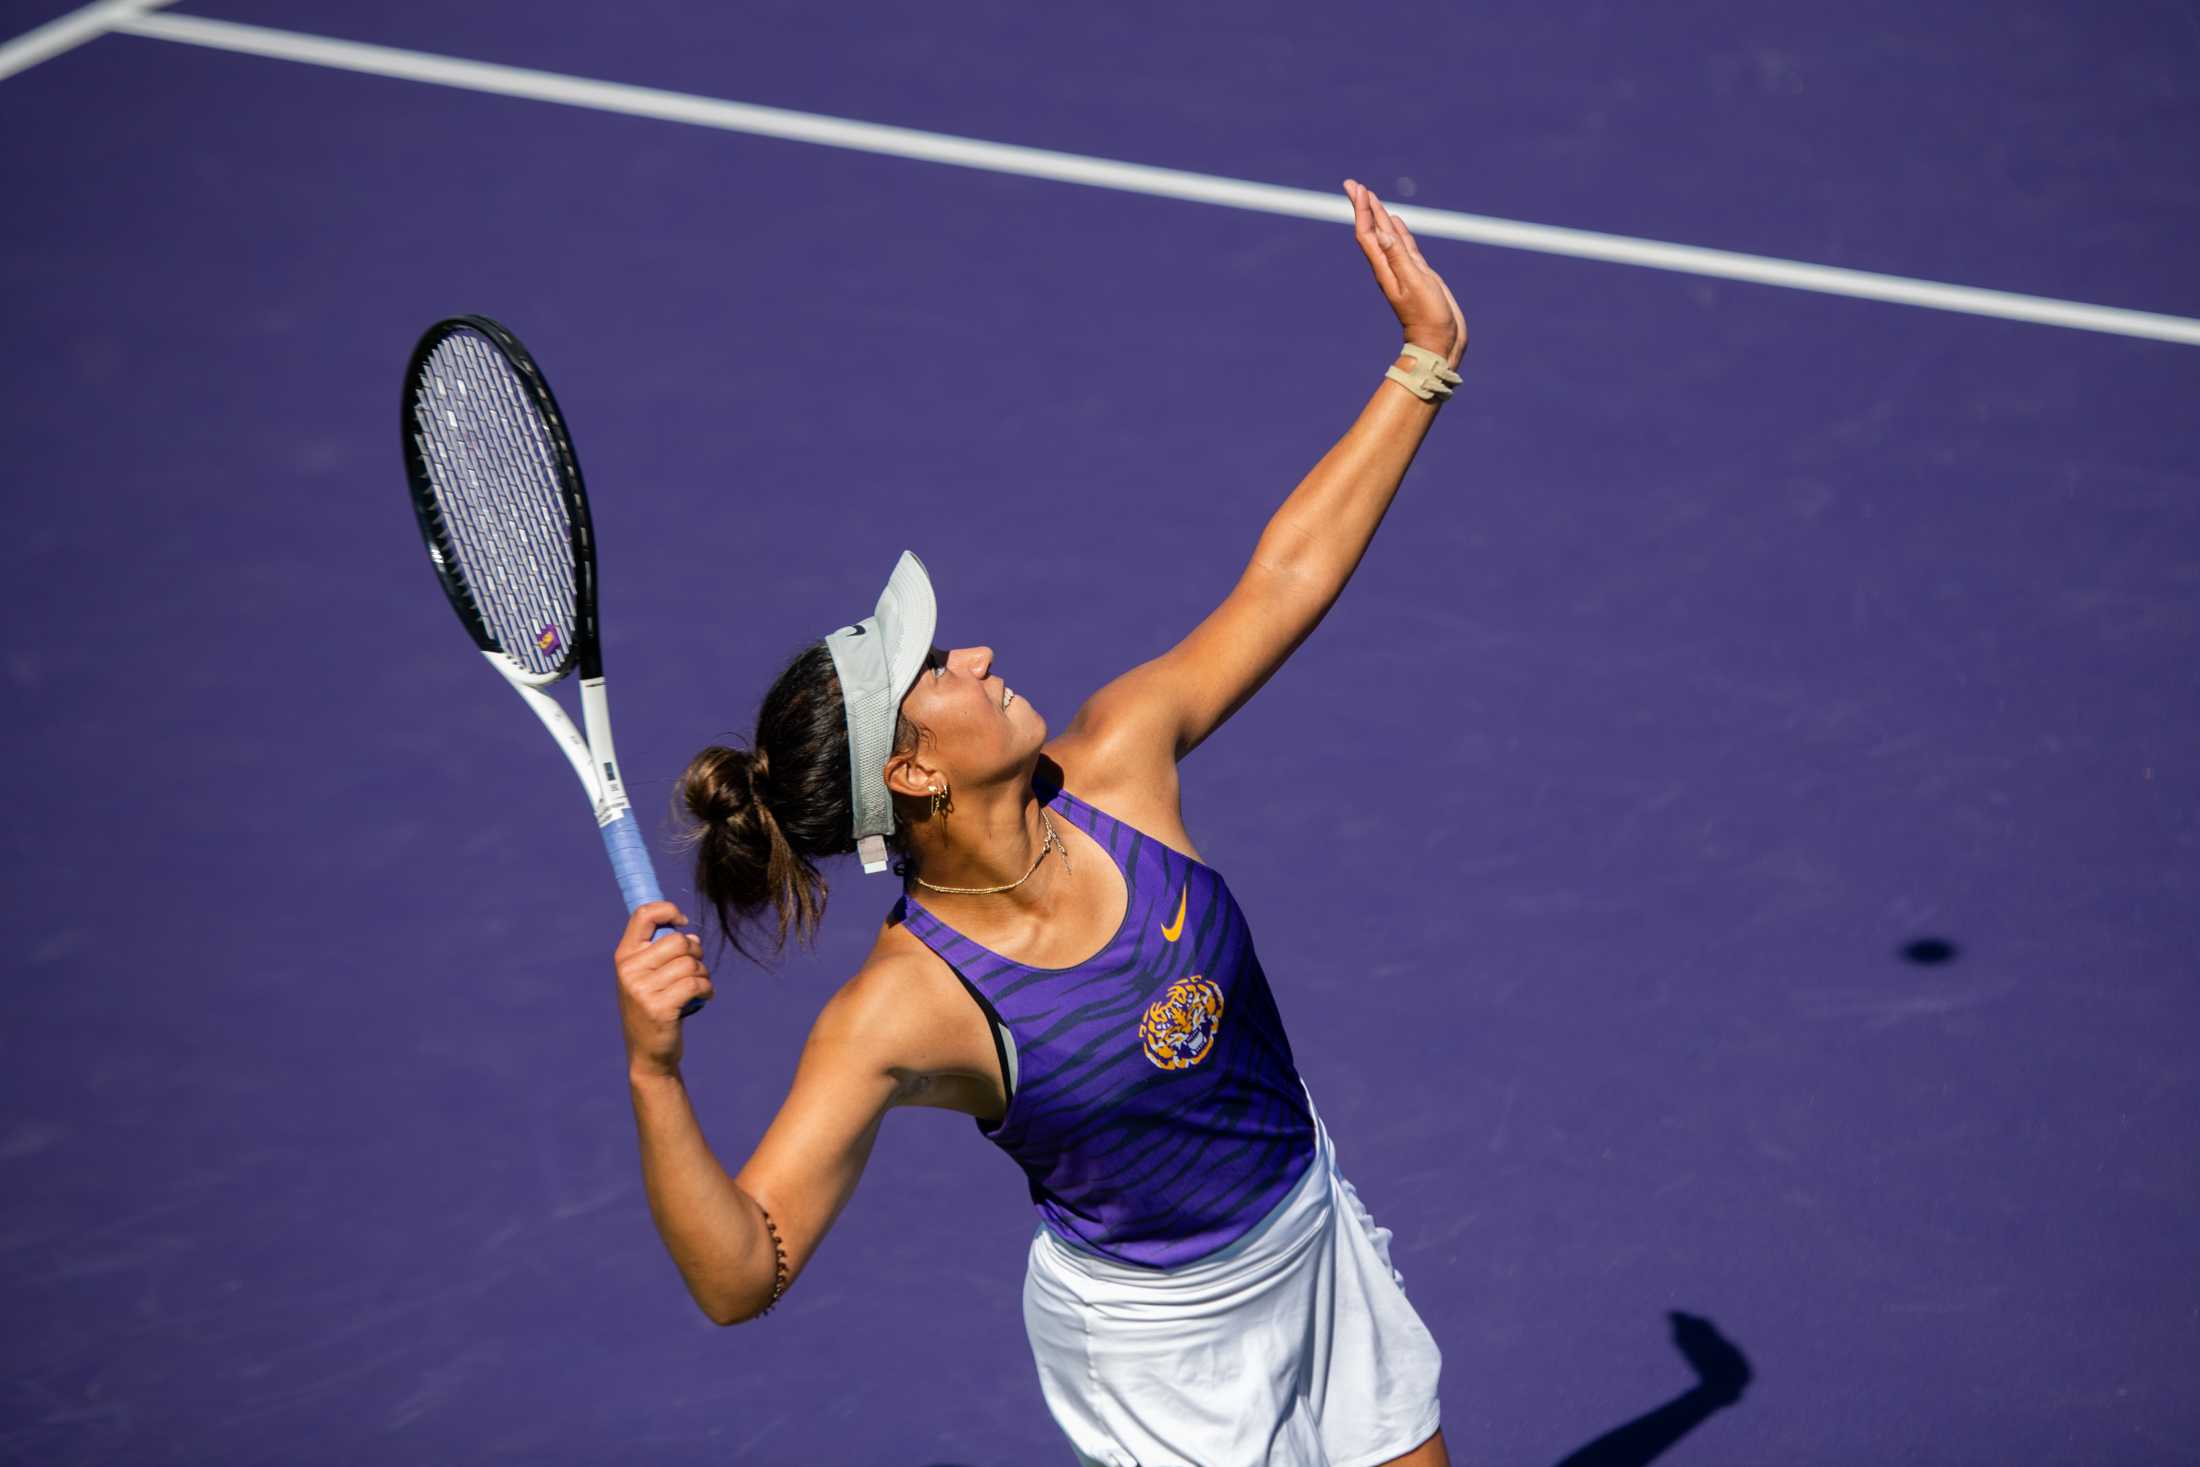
{"points": [[1204, 1286]]}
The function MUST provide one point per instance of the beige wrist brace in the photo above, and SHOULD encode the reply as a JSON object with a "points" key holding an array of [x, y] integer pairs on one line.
{"points": [[1430, 380]]}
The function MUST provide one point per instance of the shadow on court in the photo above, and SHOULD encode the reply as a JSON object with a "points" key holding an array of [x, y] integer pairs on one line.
{"points": [[1722, 1371]]}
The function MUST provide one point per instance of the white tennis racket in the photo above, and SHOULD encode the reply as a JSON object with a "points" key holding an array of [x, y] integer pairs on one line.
{"points": [[502, 507]]}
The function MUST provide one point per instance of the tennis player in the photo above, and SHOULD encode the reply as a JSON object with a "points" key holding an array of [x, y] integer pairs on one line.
{"points": [[1204, 1287]]}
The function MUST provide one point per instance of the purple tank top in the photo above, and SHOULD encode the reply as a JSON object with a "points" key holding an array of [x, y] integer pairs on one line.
{"points": [[1156, 1112]]}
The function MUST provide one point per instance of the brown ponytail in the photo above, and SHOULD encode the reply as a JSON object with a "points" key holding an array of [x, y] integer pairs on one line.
{"points": [[764, 816]]}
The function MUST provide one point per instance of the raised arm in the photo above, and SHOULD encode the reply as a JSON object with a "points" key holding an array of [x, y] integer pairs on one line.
{"points": [[1311, 545]]}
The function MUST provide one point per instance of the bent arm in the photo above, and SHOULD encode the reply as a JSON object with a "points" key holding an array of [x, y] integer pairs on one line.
{"points": [[713, 1230], [803, 1171]]}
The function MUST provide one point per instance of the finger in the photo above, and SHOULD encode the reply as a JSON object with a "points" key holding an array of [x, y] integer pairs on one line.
{"points": [[647, 918], [680, 995], [1385, 277], [1363, 219], [1398, 240], [673, 975], [1412, 245], [650, 960], [1371, 243], [661, 957], [653, 963], [1380, 216], [1416, 265], [1362, 216]]}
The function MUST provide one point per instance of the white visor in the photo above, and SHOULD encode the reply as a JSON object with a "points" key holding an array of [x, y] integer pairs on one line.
{"points": [[877, 659]]}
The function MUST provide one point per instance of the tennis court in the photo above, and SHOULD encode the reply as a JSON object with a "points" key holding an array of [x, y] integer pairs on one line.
{"points": [[1734, 848]]}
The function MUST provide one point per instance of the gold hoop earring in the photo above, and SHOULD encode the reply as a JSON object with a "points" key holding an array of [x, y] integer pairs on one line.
{"points": [[941, 804]]}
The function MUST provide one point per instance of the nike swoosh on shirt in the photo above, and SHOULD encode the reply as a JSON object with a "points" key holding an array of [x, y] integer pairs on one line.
{"points": [[1175, 929]]}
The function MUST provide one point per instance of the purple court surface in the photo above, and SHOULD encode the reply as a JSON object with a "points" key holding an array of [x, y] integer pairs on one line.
{"points": [[1733, 851]]}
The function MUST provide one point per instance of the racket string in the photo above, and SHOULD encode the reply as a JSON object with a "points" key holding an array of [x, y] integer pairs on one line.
{"points": [[488, 478], [515, 407], [493, 465], [492, 425]]}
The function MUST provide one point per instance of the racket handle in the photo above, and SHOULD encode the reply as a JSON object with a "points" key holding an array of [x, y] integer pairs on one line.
{"points": [[622, 840]]}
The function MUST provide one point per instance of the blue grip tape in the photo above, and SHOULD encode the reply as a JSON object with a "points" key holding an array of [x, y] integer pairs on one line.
{"points": [[637, 874], [622, 838]]}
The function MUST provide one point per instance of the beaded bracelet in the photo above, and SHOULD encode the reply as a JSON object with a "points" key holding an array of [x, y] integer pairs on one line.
{"points": [[779, 1263]]}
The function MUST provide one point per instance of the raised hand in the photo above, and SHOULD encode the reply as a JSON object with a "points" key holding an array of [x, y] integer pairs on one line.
{"points": [[1425, 306]]}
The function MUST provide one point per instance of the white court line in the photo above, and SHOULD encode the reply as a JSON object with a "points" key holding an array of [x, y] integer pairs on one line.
{"points": [[933, 147], [68, 32]]}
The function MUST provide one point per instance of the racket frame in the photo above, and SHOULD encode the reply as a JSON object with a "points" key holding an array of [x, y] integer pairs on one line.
{"points": [[594, 760], [593, 756]]}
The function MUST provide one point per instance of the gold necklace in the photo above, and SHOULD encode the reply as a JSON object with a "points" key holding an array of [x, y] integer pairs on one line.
{"points": [[1053, 842]]}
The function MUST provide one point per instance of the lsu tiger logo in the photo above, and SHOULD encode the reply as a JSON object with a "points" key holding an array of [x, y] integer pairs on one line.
{"points": [[548, 642], [1180, 1026]]}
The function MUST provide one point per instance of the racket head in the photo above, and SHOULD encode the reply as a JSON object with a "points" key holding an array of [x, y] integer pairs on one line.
{"points": [[497, 489]]}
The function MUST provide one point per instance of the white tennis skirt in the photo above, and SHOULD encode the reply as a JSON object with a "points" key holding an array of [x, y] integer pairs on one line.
{"points": [[1293, 1347]]}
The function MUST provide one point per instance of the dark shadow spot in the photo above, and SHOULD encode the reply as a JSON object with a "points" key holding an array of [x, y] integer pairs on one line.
{"points": [[1722, 1374], [1930, 950]]}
